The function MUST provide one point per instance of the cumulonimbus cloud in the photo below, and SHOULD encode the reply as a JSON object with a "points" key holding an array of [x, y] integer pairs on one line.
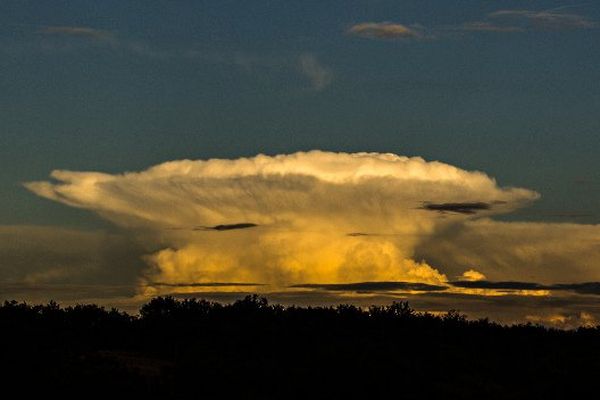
{"points": [[545, 252], [300, 208], [42, 262]]}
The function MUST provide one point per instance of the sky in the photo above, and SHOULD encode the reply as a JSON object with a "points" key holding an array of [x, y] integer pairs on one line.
{"points": [[214, 148]]}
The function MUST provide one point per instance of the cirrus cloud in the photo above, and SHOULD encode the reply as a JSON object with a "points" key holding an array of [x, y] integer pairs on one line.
{"points": [[78, 31], [484, 26], [319, 75], [554, 19]]}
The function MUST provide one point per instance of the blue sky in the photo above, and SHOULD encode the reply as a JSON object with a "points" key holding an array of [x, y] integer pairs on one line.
{"points": [[509, 88], [204, 79]]}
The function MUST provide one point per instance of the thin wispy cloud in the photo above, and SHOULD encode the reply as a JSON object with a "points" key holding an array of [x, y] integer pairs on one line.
{"points": [[305, 65], [591, 288], [78, 31], [67, 38], [554, 19], [484, 26], [319, 75], [500, 21], [75, 37], [386, 30]]}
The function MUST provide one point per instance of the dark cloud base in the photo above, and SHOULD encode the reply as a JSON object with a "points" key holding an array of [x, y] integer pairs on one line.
{"points": [[203, 284], [460, 208], [372, 286], [227, 227], [582, 288]]}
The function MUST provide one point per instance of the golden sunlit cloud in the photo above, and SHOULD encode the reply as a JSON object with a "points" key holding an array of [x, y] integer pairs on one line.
{"points": [[472, 275], [574, 320], [308, 217], [541, 252]]}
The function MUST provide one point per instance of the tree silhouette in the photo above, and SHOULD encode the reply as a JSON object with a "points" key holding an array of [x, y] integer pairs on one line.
{"points": [[253, 349]]}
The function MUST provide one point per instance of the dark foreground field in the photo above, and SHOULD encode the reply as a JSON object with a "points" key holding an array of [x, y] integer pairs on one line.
{"points": [[198, 349]]}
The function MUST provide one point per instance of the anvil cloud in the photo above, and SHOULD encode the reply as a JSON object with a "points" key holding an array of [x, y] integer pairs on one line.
{"points": [[301, 208]]}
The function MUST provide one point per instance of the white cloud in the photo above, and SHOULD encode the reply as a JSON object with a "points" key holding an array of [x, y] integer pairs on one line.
{"points": [[322, 217]]}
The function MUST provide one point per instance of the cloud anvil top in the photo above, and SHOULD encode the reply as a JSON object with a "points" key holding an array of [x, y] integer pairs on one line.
{"points": [[304, 204]]}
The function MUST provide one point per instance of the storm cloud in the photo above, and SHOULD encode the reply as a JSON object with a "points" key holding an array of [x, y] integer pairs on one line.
{"points": [[372, 286], [304, 204], [332, 223], [38, 263], [543, 252]]}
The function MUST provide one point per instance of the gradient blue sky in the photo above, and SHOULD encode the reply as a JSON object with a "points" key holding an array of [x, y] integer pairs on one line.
{"points": [[201, 79], [509, 88]]}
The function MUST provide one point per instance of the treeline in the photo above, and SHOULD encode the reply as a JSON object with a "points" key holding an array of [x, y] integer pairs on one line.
{"points": [[251, 349]]}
